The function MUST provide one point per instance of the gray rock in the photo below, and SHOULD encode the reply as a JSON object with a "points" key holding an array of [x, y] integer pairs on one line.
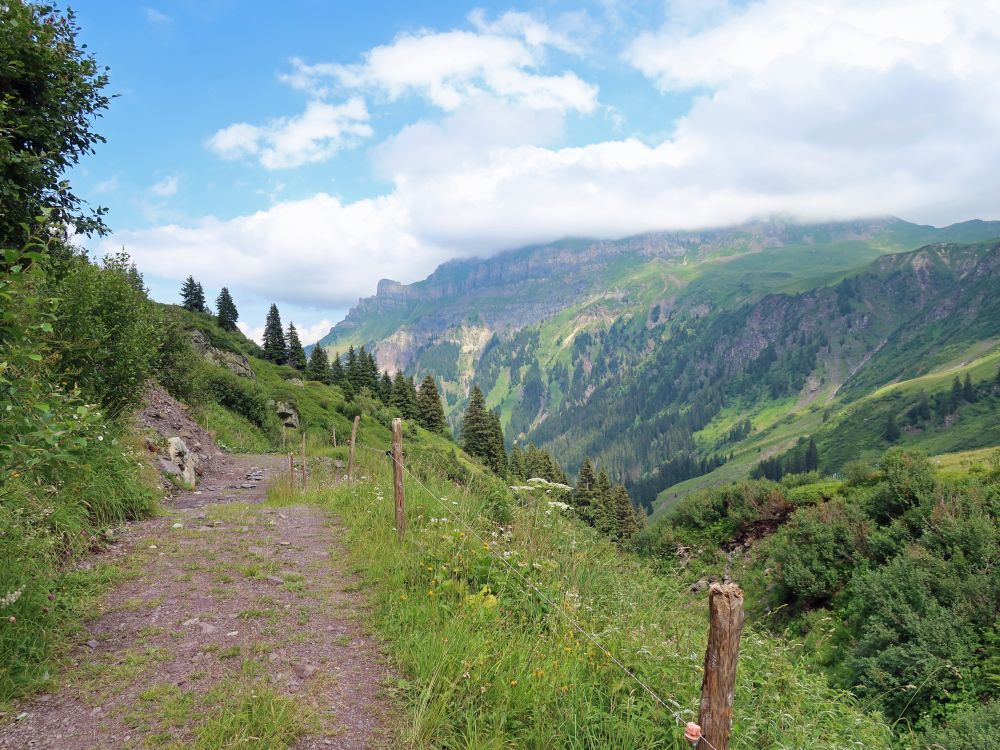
{"points": [[276, 580], [287, 413], [235, 362]]}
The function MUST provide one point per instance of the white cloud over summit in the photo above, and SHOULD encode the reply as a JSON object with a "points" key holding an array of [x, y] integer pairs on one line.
{"points": [[832, 110]]}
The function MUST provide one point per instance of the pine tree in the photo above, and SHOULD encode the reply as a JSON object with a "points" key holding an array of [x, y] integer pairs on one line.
{"points": [[319, 365], [812, 456], [201, 298], [956, 393], [368, 374], [225, 311], [352, 370], [497, 459], [626, 519], [404, 397], [477, 435], [892, 432], [337, 376], [296, 354], [192, 296], [385, 388], [968, 392], [275, 349], [584, 495], [516, 464], [924, 407], [604, 513], [430, 412]]}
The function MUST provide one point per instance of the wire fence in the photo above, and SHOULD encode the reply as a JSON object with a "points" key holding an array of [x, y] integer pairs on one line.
{"points": [[671, 706]]}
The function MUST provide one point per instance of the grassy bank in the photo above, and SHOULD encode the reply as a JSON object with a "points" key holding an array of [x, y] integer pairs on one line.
{"points": [[478, 606]]}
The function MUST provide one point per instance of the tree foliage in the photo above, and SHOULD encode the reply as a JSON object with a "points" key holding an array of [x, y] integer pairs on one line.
{"points": [[225, 311], [51, 92], [430, 412], [296, 356], [275, 348]]}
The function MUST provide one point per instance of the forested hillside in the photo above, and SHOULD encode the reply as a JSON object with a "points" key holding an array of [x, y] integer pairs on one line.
{"points": [[666, 356]]}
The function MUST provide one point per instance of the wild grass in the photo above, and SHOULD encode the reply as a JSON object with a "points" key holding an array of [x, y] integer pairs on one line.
{"points": [[483, 620], [233, 432], [43, 528]]}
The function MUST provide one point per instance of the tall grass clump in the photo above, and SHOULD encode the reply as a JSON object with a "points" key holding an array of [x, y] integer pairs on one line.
{"points": [[486, 613]]}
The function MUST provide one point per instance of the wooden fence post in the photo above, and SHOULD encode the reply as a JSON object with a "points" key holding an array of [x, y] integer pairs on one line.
{"points": [[725, 612], [305, 473], [334, 437], [350, 458], [291, 469], [397, 474]]}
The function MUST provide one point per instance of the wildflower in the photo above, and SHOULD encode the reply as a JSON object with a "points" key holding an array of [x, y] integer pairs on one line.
{"points": [[513, 683]]}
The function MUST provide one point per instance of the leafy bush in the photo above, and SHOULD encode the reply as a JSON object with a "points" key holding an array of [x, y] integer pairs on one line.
{"points": [[242, 396], [815, 553], [107, 332]]}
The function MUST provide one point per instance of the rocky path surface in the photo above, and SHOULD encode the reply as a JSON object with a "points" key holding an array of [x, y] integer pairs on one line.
{"points": [[233, 619]]}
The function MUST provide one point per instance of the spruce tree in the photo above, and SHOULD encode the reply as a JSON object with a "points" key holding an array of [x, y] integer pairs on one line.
{"points": [[430, 413], [225, 311], [968, 392], [812, 456], [924, 407], [516, 464], [956, 393], [385, 388], [626, 519], [604, 513], [892, 433], [497, 459], [275, 349], [476, 427], [296, 354], [319, 365], [192, 296], [352, 370], [583, 496], [337, 376], [404, 398], [368, 371]]}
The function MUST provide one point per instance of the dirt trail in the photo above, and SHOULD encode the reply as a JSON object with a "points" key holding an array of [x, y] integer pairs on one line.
{"points": [[223, 601]]}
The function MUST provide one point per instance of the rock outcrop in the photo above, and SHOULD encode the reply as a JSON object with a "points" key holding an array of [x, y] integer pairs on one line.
{"points": [[235, 362]]}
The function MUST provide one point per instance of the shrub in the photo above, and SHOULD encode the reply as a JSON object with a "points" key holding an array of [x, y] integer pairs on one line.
{"points": [[107, 332], [815, 553], [237, 394]]}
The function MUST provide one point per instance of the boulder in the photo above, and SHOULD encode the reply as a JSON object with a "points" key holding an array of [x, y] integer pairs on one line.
{"points": [[287, 413], [183, 459]]}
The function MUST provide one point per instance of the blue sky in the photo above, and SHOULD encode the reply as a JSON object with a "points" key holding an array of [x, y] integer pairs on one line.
{"points": [[299, 153]]}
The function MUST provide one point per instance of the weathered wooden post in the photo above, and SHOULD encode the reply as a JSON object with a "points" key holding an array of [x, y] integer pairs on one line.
{"points": [[397, 474], [725, 612], [305, 473], [350, 457], [334, 437], [291, 469]]}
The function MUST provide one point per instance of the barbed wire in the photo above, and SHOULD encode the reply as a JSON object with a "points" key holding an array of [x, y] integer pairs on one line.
{"points": [[677, 708]]}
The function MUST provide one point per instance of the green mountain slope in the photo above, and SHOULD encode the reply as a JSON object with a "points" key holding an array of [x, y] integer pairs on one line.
{"points": [[671, 355]]}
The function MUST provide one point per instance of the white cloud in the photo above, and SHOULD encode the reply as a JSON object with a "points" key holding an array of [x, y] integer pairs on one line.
{"points": [[832, 110], [314, 136], [311, 333], [254, 333], [157, 17], [106, 186], [166, 187], [501, 59]]}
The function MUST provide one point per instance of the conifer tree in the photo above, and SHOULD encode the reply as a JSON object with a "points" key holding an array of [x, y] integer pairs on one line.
{"points": [[319, 365], [477, 438], [812, 456], [296, 354], [497, 459], [603, 512], [192, 296], [892, 432], [337, 376], [275, 349], [351, 368], [956, 393], [225, 311], [626, 519], [430, 413], [924, 407], [368, 375], [968, 392], [404, 397], [583, 496], [385, 388], [516, 464]]}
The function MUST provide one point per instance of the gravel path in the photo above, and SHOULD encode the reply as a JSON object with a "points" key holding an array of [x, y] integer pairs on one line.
{"points": [[222, 598]]}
